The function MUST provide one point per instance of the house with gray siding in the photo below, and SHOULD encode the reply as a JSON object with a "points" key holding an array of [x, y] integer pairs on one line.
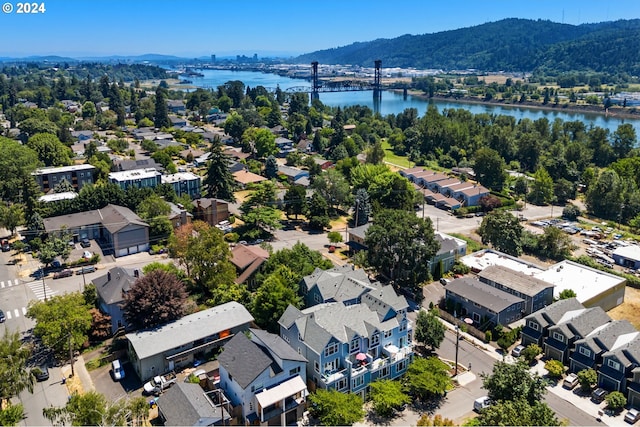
{"points": [[535, 292], [112, 288], [187, 404], [344, 284], [482, 303], [264, 378], [348, 347], [618, 366], [588, 351], [537, 324], [177, 344], [564, 334]]}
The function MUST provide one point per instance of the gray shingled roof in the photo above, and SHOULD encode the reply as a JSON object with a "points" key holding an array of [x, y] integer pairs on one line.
{"points": [[112, 217], [112, 285], [277, 345], [516, 280], [189, 329], [185, 404], [627, 354], [582, 324], [483, 294], [446, 245], [604, 338], [384, 298], [244, 360], [552, 314], [339, 283]]}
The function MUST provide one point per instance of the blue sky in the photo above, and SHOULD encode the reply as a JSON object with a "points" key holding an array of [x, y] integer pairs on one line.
{"points": [[192, 28]]}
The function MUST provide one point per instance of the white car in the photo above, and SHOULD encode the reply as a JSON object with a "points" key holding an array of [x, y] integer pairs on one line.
{"points": [[118, 371], [87, 254], [481, 403], [517, 351]]}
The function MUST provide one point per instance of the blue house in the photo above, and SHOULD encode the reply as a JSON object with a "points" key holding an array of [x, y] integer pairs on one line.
{"points": [[263, 378], [348, 347], [588, 351], [342, 284]]}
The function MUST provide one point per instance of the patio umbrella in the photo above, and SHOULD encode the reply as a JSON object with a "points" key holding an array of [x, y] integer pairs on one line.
{"points": [[361, 356]]}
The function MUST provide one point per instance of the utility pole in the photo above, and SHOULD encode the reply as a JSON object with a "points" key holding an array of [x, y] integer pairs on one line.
{"points": [[44, 288], [71, 355]]}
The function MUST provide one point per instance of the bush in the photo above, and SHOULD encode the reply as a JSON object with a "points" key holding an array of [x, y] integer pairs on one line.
{"points": [[615, 400], [488, 336], [588, 378], [531, 352], [555, 368], [231, 237], [571, 212]]}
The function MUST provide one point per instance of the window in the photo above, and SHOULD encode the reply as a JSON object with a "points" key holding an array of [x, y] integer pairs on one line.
{"points": [[387, 334], [534, 326], [294, 371], [613, 364], [475, 304], [341, 384], [402, 365], [558, 336], [331, 348], [403, 325], [384, 372], [375, 339], [316, 366], [300, 337], [354, 346], [476, 317], [585, 351], [286, 338], [316, 298], [331, 366], [357, 381]]}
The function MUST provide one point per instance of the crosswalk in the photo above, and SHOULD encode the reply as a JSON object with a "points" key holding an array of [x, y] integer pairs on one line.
{"points": [[41, 292]]}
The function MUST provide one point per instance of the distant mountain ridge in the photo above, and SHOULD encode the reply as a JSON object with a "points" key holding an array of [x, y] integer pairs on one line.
{"points": [[510, 45]]}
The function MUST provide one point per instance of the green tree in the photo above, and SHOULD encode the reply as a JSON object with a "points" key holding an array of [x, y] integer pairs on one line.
{"points": [[555, 368], [334, 408], [508, 381], [503, 231], [427, 378], [362, 208], [571, 212], [429, 329], [623, 140], [334, 237], [219, 181], [52, 248], [375, 154], [155, 299], [11, 414], [271, 300], [588, 378], [92, 409], [265, 143], [530, 353], [401, 247], [555, 244], [271, 167], [50, 150], [62, 322], [489, 167], [334, 188], [318, 212], [12, 216], [235, 126], [154, 210], [204, 254], [387, 396], [161, 113], [615, 401], [226, 292], [604, 196], [517, 412], [541, 188], [295, 200], [567, 293], [14, 375], [16, 164]]}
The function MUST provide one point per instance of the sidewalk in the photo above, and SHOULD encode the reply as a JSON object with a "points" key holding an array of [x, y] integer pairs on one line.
{"points": [[488, 349], [81, 382]]}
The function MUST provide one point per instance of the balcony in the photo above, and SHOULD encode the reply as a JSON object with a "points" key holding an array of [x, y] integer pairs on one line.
{"points": [[276, 410], [333, 376], [396, 354], [359, 363]]}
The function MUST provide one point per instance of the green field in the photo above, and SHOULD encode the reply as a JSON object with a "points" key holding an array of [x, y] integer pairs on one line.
{"points": [[394, 159]]}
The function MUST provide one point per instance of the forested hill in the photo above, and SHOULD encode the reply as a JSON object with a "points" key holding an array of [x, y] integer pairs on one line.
{"points": [[509, 45]]}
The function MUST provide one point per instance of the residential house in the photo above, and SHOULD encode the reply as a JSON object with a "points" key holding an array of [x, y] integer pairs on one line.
{"points": [[129, 165], [184, 183], [620, 368], [348, 347], [323, 163], [451, 248], [176, 106], [82, 135], [111, 289], [117, 229], [211, 211], [187, 404], [178, 215], [537, 324], [588, 351], [471, 196], [285, 146], [344, 284], [76, 175], [138, 178], [566, 332], [244, 178], [292, 174], [482, 303], [178, 121], [248, 260], [357, 236], [536, 293], [264, 378], [177, 344]]}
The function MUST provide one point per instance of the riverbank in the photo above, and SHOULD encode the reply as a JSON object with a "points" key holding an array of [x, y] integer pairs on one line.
{"points": [[614, 111]]}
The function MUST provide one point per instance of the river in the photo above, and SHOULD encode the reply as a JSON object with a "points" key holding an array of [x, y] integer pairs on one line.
{"points": [[394, 103]]}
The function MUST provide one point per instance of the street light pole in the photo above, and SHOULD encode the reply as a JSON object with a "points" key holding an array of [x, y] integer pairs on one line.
{"points": [[457, 345], [44, 288]]}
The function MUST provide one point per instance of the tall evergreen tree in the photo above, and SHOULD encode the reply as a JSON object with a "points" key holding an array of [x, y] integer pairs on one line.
{"points": [[219, 181], [161, 115]]}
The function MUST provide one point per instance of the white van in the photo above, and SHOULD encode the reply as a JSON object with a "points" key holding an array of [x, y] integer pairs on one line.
{"points": [[116, 368], [481, 403]]}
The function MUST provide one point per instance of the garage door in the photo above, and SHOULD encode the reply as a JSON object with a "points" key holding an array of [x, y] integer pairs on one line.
{"points": [[133, 250], [123, 252]]}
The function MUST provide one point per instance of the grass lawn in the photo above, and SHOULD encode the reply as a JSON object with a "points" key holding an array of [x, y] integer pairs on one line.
{"points": [[394, 159]]}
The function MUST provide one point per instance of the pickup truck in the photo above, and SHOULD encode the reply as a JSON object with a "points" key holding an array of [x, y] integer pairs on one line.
{"points": [[160, 383]]}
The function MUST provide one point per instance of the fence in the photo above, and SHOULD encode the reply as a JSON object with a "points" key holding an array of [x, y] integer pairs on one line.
{"points": [[471, 330]]}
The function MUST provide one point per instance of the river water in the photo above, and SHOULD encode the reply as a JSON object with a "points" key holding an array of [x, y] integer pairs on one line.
{"points": [[394, 103]]}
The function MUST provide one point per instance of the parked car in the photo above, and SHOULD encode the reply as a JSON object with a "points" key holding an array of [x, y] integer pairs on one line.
{"points": [[570, 381], [87, 255], [117, 370], [39, 274], [517, 351], [481, 403], [444, 281], [2, 318], [6, 247], [85, 243], [41, 372], [632, 416], [599, 394], [86, 270], [63, 273]]}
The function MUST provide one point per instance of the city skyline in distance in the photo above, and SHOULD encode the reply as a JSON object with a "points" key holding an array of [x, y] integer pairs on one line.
{"points": [[282, 28]]}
